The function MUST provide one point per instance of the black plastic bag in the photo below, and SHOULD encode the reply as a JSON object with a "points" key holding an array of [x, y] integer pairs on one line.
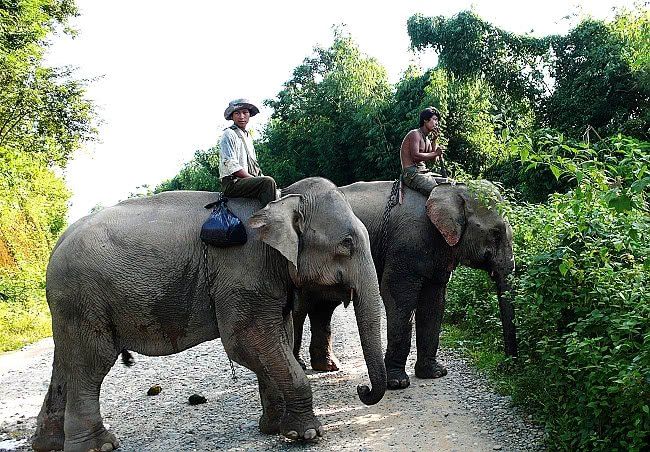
{"points": [[223, 228]]}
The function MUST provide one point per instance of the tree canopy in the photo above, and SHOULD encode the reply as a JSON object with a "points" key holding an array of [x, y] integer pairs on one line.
{"points": [[44, 117], [325, 120], [595, 76]]}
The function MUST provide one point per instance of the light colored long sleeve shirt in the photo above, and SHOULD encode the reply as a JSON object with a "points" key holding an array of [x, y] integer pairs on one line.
{"points": [[233, 155]]}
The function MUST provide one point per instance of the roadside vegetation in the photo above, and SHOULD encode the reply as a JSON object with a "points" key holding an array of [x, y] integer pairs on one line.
{"points": [[562, 123], [44, 118]]}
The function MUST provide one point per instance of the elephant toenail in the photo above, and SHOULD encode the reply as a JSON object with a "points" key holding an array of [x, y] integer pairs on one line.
{"points": [[292, 434], [107, 447], [310, 434], [321, 431]]}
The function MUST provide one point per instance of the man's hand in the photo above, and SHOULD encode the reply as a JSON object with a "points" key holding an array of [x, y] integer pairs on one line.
{"points": [[242, 174], [439, 151], [435, 133]]}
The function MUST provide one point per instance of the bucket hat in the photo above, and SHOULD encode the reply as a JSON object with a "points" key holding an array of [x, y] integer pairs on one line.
{"points": [[238, 104]]}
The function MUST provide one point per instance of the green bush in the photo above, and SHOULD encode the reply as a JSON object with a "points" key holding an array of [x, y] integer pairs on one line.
{"points": [[24, 315], [582, 298]]}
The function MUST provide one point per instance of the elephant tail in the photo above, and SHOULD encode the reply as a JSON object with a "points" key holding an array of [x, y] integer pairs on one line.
{"points": [[127, 358]]}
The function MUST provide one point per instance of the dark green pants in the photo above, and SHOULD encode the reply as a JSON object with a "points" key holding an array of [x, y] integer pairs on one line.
{"points": [[420, 182], [260, 187]]}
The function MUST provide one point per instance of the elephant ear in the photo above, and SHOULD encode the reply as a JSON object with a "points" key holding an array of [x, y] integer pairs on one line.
{"points": [[278, 224], [446, 210]]}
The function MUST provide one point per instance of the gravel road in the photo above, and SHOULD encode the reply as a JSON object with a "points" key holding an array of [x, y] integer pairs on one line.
{"points": [[454, 413]]}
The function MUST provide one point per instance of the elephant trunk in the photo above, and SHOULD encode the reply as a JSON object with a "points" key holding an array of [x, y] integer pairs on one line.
{"points": [[507, 314], [367, 310]]}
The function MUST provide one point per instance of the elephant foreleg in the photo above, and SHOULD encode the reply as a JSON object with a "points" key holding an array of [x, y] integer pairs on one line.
{"points": [[400, 294], [266, 347], [273, 407], [428, 321]]}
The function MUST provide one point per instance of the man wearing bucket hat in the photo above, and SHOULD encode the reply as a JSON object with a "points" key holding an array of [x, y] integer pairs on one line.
{"points": [[420, 145], [238, 168]]}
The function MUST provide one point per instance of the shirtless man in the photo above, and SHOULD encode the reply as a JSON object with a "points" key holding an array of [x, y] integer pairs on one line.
{"points": [[417, 148]]}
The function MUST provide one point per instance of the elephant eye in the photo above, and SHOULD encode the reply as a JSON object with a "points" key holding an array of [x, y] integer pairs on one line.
{"points": [[345, 247]]}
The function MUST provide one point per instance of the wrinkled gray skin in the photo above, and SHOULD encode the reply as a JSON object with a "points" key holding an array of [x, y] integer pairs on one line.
{"points": [[426, 240], [132, 277]]}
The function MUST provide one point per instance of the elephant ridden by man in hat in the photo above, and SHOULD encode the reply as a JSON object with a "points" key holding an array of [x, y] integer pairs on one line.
{"points": [[239, 171]]}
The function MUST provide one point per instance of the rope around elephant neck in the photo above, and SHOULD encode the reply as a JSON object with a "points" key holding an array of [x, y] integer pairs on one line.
{"points": [[393, 199], [213, 307]]}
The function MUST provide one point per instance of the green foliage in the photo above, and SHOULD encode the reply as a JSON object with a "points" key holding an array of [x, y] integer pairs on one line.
{"points": [[201, 173], [594, 84], [472, 302], [470, 47], [24, 316], [42, 110], [327, 119], [599, 71], [44, 118], [469, 126], [633, 28], [582, 298], [33, 207], [531, 182]]}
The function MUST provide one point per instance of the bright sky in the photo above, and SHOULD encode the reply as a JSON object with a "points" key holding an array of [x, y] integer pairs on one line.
{"points": [[168, 69]]}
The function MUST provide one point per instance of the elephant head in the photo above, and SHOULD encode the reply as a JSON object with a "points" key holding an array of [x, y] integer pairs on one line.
{"points": [[326, 245], [467, 218]]}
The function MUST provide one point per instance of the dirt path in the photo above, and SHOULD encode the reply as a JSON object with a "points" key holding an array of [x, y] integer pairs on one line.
{"points": [[454, 413]]}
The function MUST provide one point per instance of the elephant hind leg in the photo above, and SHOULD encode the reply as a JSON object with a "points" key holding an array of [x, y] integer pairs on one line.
{"points": [[84, 354], [49, 423], [320, 349], [299, 315]]}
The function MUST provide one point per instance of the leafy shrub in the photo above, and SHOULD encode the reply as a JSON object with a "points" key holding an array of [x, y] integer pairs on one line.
{"points": [[582, 297], [33, 205]]}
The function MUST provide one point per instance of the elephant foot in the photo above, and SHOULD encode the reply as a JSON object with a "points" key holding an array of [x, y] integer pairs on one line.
{"points": [[323, 359], [434, 370], [101, 441], [397, 379], [49, 435], [269, 424], [304, 428], [327, 364]]}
